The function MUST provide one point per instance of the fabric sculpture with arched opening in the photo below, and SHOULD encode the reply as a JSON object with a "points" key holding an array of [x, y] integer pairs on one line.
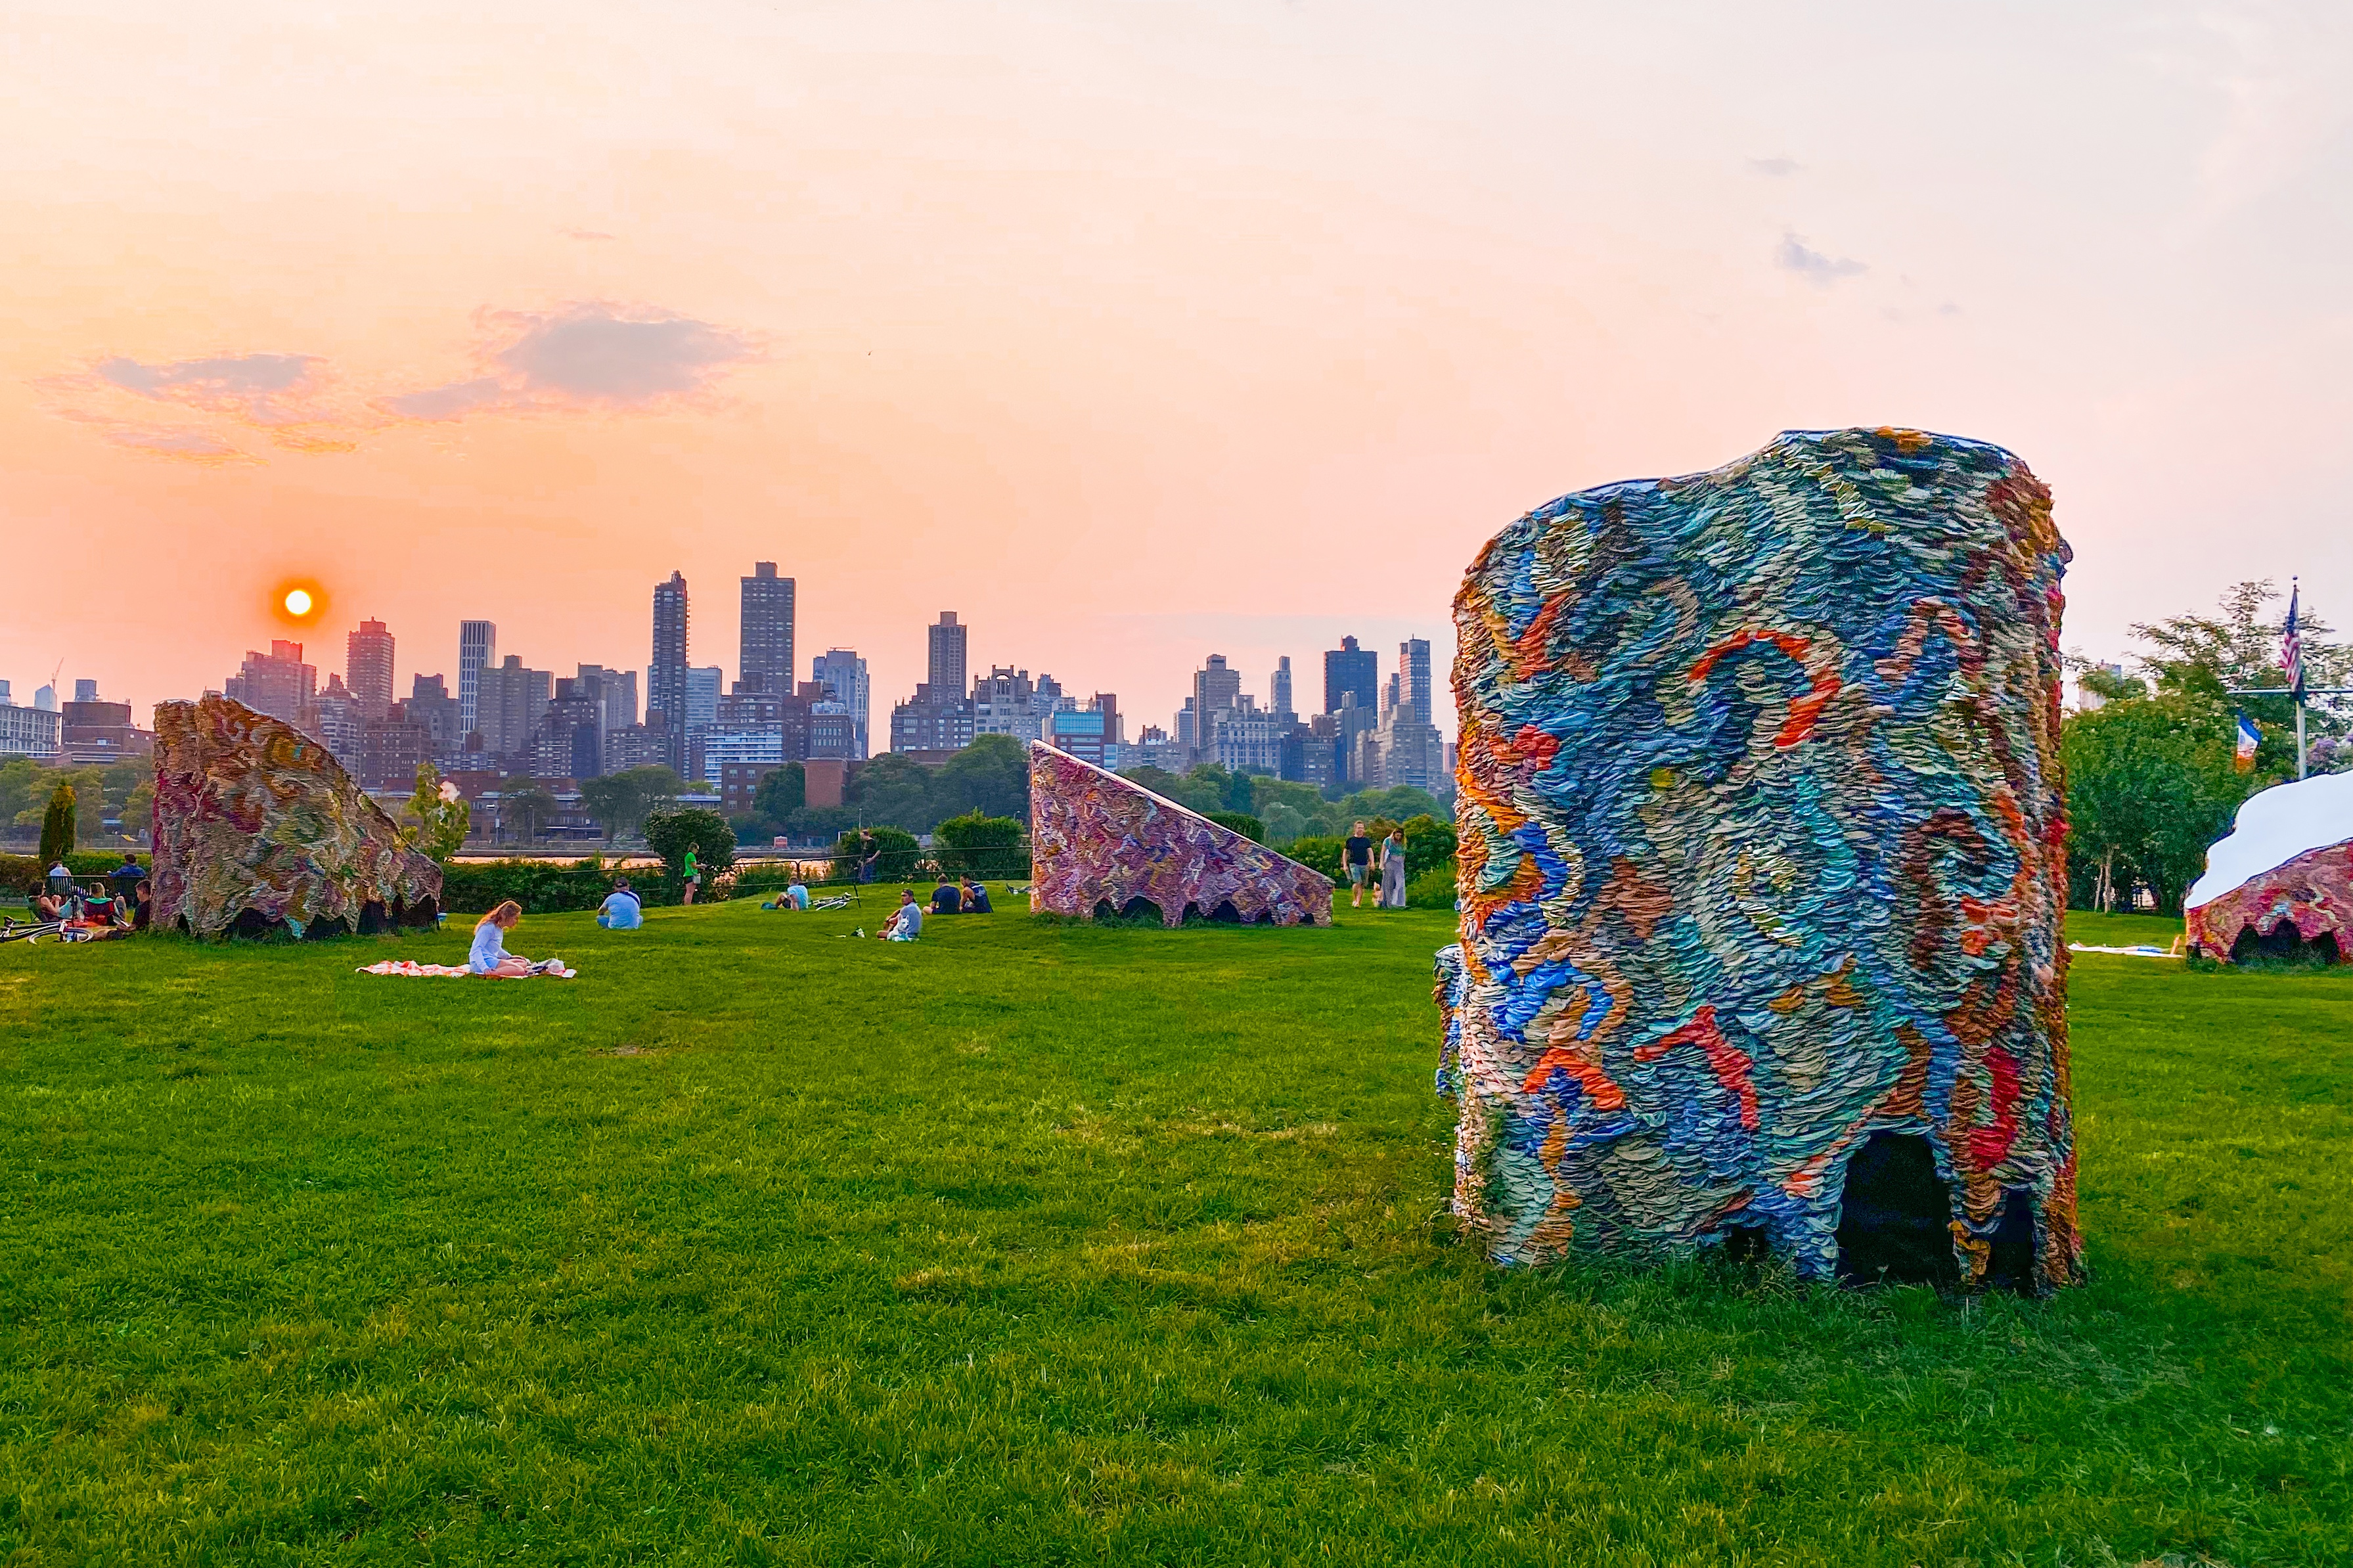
{"points": [[1762, 866], [1102, 844], [258, 831], [2281, 881]]}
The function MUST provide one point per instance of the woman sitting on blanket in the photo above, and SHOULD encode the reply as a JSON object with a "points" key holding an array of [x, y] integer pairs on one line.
{"points": [[490, 958]]}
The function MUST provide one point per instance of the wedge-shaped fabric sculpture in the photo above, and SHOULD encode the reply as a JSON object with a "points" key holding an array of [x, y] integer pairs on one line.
{"points": [[258, 830], [1100, 845], [2283, 876], [1762, 833]]}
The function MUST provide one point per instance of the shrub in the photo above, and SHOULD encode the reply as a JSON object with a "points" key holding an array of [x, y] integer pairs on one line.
{"points": [[27, 873], [1241, 822], [976, 844], [1431, 889], [1320, 854], [894, 849], [1428, 844], [540, 887]]}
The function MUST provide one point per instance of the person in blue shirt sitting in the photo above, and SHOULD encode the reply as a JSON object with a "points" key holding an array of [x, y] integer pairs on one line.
{"points": [[620, 911], [947, 899], [976, 899]]}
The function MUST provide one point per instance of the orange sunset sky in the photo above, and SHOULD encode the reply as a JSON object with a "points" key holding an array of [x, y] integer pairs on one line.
{"points": [[1131, 331]]}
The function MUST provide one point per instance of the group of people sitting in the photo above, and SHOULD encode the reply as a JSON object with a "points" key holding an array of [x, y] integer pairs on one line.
{"points": [[126, 904], [961, 896]]}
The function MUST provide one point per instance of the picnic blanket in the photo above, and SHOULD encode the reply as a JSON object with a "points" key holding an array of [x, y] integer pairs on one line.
{"points": [[2143, 952], [409, 969]]}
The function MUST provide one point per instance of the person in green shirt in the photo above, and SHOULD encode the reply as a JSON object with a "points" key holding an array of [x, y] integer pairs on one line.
{"points": [[693, 874]]}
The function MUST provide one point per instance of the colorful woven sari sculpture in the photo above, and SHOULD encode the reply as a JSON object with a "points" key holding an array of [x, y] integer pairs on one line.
{"points": [[1098, 842], [259, 828], [1762, 855]]}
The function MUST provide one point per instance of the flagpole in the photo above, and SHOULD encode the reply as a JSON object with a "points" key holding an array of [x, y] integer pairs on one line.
{"points": [[2299, 736]]}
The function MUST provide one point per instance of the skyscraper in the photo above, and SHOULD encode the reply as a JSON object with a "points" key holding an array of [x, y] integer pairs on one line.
{"points": [[843, 675], [665, 672], [478, 651], [1351, 669], [702, 684], [1216, 691], [276, 683], [764, 659], [1413, 672], [367, 669], [1278, 687], [945, 648]]}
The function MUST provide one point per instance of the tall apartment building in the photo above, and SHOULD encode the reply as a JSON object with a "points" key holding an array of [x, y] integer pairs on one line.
{"points": [[1413, 677], [335, 723], [666, 670], [1278, 686], [99, 734], [513, 704], [478, 651], [1216, 691], [1004, 703], [431, 704], [367, 668], [1411, 750], [843, 675], [1349, 669], [944, 649], [276, 683], [940, 717], [764, 651]]}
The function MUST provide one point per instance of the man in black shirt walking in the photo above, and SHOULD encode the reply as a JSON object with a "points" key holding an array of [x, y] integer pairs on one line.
{"points": [[1360, 865]]}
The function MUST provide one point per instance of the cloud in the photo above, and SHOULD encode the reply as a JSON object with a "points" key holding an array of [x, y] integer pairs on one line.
{"points": [[592, 355], [255, 388], [1816, 268], [454, 401], [183, 442], [1774, 168]]}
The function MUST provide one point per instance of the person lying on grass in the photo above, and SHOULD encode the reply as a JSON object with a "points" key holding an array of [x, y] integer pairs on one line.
{"points": [[906, 922], [490, 958]]}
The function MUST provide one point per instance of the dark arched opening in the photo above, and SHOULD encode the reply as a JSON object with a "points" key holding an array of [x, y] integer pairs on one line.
{"points": [[1142, 909], [1895, 1218], [2286, 947], [1224, 914]]}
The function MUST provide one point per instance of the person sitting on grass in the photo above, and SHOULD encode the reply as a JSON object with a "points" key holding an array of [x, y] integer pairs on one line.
{"points": [[906, 922], [621, 911], [797, 895], [976, 897], [947, 899], [489, 958], [48, 908]]}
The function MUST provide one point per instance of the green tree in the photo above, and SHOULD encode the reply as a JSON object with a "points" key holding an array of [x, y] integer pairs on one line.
{"points": [[1240, 822], [1159, 781], [990, 776], [894, 790], [23, 788], [2238, 648], [669, 832], [57, 826], [2151, 785], [621, 802], [436, 817], [781, 794], [1397, 801], [529, 809], [138, 811]]}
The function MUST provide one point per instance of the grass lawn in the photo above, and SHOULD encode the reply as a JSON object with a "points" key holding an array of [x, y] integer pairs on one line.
{"points": [[1044, 1245]]}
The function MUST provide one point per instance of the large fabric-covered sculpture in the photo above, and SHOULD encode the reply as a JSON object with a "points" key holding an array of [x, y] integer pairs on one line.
{"points": [[1100, 844], [2284, 874], [1762, 859], [257, 830]]}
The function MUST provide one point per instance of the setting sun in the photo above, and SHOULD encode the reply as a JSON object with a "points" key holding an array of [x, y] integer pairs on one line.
{"points": [[298, 602]]}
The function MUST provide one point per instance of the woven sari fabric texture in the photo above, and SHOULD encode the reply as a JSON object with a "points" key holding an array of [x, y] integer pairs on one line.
{"points": [[257, 827], [1763, 834], [2311, 893], [1100, 843]]}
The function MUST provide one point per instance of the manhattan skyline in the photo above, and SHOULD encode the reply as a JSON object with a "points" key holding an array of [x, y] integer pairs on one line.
{"points": [[1133, 335]]}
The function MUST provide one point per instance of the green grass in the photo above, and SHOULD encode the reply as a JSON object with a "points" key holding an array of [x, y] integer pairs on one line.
{"points": [[1055, 1245]]}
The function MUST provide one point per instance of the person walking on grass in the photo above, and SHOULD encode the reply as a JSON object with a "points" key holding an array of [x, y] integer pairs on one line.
{"points": [[1393, 869], [489, 957], [1360, 865], [693, 874]]}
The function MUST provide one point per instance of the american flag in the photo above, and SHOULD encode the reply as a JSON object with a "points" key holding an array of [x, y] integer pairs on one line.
{"points": [[2291, 649]]}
